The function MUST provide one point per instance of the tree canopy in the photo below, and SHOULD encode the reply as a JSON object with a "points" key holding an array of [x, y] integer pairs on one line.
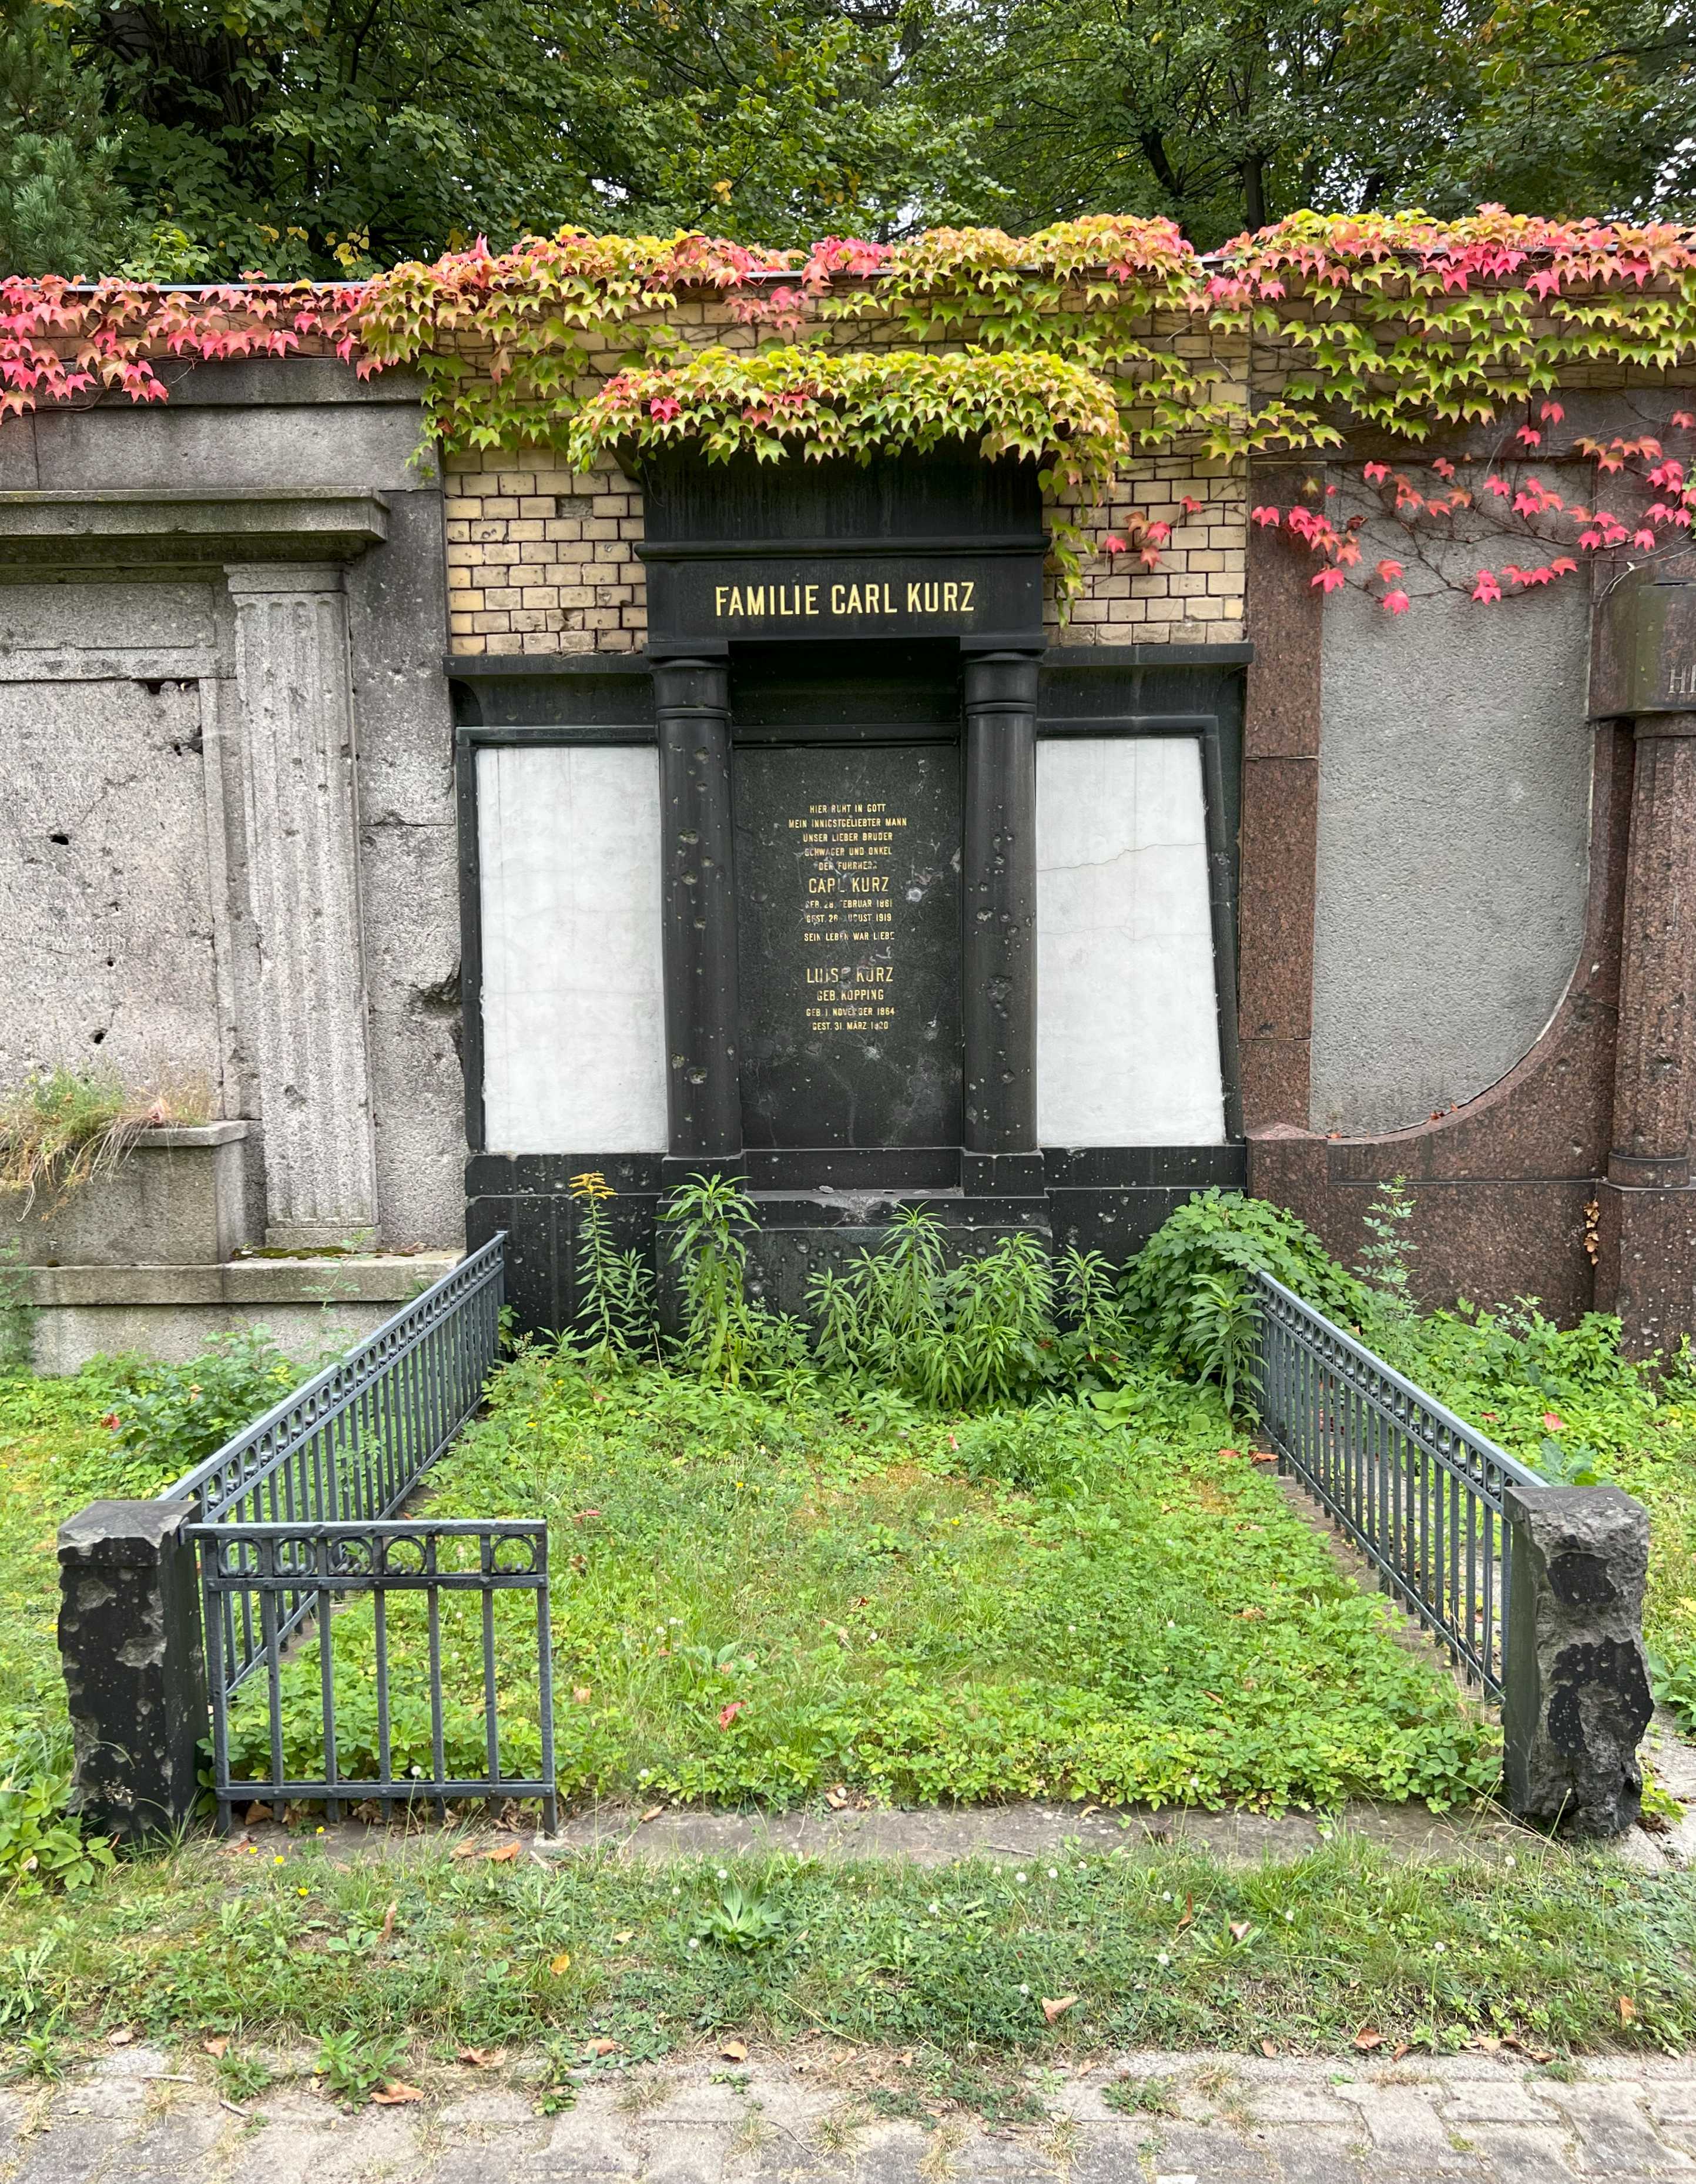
{"points": [[199, 139]]}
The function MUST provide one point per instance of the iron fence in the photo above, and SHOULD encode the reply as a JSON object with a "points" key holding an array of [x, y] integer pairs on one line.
{"points": [[295, 1523], [350, 1445], [1416, 1490], [325, 1566]]}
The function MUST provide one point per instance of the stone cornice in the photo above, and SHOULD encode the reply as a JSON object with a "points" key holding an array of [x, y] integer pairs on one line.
{"points": [[85, 529]]}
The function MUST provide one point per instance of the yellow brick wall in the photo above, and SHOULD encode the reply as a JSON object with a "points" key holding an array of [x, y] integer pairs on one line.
{"points": [[540, 561]]}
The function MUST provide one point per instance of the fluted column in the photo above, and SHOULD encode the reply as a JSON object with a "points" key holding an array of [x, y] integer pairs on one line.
{"points": [[291, 667]]}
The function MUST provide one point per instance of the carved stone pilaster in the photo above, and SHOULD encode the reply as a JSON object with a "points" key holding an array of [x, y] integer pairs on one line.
{"points": [[299, 789]]}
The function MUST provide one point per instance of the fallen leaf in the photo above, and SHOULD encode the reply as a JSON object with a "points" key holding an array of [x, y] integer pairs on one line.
{"points": [[1087, 1810], [1402, 2047], [395, 2093], [1369, 2037], [1486, 2042], [388, 1928], [580, 1695], [733, 2051], [1231, 1452], [502, 1854], [1628, 2009], [628, 1934], [837, 1798], [561, 1965], [237, 1844], [483, 2059], [1240, 1929], [1541, 2055], [651, 1813], [1265, 1455], [905, 2058], [468, 1848], [1269, 2047], [727, 1714], [258, 1813], [1188, 1919], [1059, 2007], [216, 2045], [122, 2037], [602, 2047]]}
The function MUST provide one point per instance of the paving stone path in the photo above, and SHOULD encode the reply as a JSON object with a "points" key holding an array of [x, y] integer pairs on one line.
{"points": [[138, 2116]]}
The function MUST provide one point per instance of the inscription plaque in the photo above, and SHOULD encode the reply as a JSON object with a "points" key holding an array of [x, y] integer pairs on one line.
{"points": [[848, 879]]}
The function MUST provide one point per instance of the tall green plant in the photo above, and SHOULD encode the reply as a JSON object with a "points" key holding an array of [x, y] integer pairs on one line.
{"points": [[616, 1318], [726, 1336], [981, 1331]]}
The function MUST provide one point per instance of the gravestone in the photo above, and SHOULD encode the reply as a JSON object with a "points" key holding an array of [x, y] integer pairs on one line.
{"points": [[849, 865]]}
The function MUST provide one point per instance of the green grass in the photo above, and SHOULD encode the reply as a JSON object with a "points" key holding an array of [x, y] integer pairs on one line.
{"points": [[56, 1455], [953, 1961], [754, 1601]]}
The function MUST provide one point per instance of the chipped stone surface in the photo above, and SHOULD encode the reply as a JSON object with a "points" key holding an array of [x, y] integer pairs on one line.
{"points": [[1478, 2119]]}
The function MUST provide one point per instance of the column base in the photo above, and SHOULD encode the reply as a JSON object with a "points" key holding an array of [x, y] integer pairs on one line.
{"points": [[1646, 1263], [1002, 1175]]}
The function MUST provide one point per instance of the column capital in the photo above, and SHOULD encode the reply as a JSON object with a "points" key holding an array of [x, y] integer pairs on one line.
{"points": [[271, 577]]}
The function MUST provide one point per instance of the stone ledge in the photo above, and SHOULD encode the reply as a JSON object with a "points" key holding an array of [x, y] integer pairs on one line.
{"points": [[377, 1278], [196, 1134], [121, 526]]}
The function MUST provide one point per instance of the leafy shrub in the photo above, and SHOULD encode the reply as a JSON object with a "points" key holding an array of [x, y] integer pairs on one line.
{"points": [[185, 1411], [41, 1846]]}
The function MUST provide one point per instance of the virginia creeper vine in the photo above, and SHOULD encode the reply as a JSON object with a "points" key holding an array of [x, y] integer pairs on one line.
{"points": [[1094, 343]]}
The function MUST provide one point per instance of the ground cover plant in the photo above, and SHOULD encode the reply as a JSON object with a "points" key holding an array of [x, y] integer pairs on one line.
{"points": [[120, 1428], [602, 1961], [760, 1596]]}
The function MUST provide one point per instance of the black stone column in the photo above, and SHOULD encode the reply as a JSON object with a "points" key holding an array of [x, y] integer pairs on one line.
{"points": [[1575, 1698], [998, 952], [135, 1675], [703, 1086]]}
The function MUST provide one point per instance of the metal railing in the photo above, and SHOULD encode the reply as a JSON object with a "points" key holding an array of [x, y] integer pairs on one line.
{"points": [[350, 1445], [295, 1522], [325, 1565], [1416, 1490]]}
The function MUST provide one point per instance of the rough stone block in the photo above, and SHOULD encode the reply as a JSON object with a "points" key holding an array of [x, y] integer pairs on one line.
{"points": [[1576, 1699], [130, 1637], [178, 1198]]}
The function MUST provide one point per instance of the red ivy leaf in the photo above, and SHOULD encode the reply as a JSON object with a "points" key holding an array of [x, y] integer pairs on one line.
{"points": [[1396, 602]]}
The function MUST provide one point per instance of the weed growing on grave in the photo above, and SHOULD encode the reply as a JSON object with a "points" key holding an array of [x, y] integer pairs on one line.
{"points": [[616, 1319], [62, 1128]]}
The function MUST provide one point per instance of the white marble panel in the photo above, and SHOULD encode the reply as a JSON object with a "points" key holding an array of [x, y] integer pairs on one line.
{"points": [[574, 1038], [1127, 1021]]}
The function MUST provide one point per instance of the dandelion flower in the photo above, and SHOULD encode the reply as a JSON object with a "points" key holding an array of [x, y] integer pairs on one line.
{"points": [[1163, 1958], [1054, 1873], [1022, 1878]]}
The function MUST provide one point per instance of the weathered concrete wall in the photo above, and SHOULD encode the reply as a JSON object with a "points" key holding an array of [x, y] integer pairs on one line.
{"points": [[122, 730], [1453, 806]]}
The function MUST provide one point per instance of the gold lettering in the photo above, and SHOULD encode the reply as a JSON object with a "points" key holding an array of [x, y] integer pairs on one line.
{"points": [[912, 599], [950, 595], [839, 594], [812, 598], [967, 591], [719, 591]]}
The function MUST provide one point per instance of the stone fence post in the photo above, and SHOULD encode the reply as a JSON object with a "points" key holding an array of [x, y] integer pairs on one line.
{"points": [[130, 1639], [1576, 1699]]}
